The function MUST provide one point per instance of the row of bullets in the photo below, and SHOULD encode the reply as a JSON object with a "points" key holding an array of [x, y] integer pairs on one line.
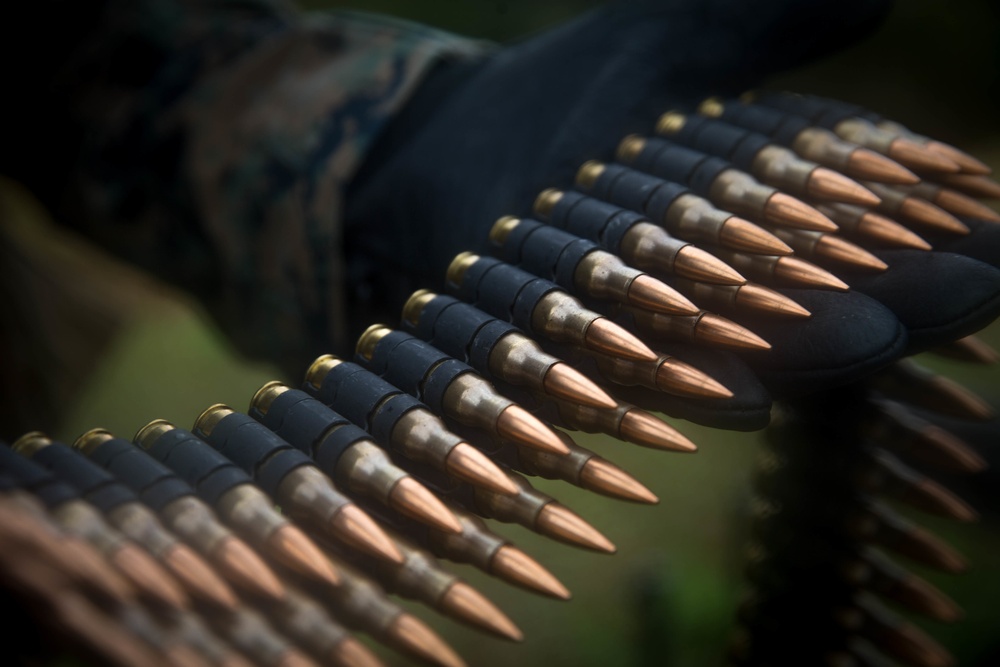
{"points": [[818, 564], [589, 318]]}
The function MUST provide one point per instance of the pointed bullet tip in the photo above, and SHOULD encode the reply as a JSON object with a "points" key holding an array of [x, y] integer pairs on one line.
{"points": [[517, 424], [516, 567], [564, 381], [922, 596], [468, 463], [675, 376], [744, 236], [947, 503], [957, 203], [970, 184], [841, 250], [800, 272], [928, 214], [413, 636], [349, 652], [560, 523], [605, 336], [693, 263], [200, 579], [829, 185], [290, 545], [716, 330], [647, 292], [868, 165], [465, 603], [890, 232], [149, 577], [410, 497], [967, 163], [643, 428], [603, 477], [913, 155], [353, 526], [246, 569], [782, 209], [770, 302], [295, 658]]}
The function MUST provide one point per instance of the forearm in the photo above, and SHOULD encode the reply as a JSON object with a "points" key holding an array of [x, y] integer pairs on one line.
{"points": [[215, 141]]}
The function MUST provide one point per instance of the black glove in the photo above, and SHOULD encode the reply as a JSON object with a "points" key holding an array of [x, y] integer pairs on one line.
{"points": [[480, 140]]}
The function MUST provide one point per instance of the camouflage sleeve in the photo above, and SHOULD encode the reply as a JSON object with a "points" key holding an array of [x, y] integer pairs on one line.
{"points": [[219, 137]]}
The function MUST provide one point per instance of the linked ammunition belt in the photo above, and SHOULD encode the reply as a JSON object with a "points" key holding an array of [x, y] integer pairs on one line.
{"points": [[618, 301]]}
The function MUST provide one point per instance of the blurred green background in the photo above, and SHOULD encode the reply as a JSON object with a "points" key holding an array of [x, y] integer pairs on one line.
{"points": [[668, 596]]}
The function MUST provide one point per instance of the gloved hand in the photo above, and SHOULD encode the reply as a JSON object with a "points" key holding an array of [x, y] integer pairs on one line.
{"points": [[481, 139]]}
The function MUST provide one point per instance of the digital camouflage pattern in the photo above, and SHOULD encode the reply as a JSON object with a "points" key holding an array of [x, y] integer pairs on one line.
{"points": [[218, 144]]}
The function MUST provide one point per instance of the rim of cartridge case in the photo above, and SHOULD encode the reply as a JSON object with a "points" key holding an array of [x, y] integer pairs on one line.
{"points": [[415, 305], [319, 368], [369, 340], [210, 418], [459, 265], [264, 396], [149, 433]]}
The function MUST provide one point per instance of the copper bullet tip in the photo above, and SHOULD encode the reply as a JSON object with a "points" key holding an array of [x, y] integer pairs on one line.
{"points": [[291, 546], [922, 544], [468, 463], [564, 381], [696, 264], [785, 210], [921, 596], [295, 658], [952, 450], [200, 579], [244, 567], [961, 401], [871, 166], [518, 568], [643, 428], [841, 250], [465, 603], [605, 336], [349, 652], [743, 235], [889, 232], [714, 329], [149, 577], [560, 523], [937, 498], [770, 301], [915, 647], [913, 155], [957, 203], [828, 185], [184, 656], [413, 636], [801, 272], [676, 377], [967, 163], [970, 184], [416, 501], [928, 214], [517, 424], [652, 294], [96, 569], [971, 349], [233, 659], [352, 525], [601, 476]]}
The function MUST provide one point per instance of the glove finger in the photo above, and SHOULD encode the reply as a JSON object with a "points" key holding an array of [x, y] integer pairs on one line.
{"points": [[938, 296]]}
